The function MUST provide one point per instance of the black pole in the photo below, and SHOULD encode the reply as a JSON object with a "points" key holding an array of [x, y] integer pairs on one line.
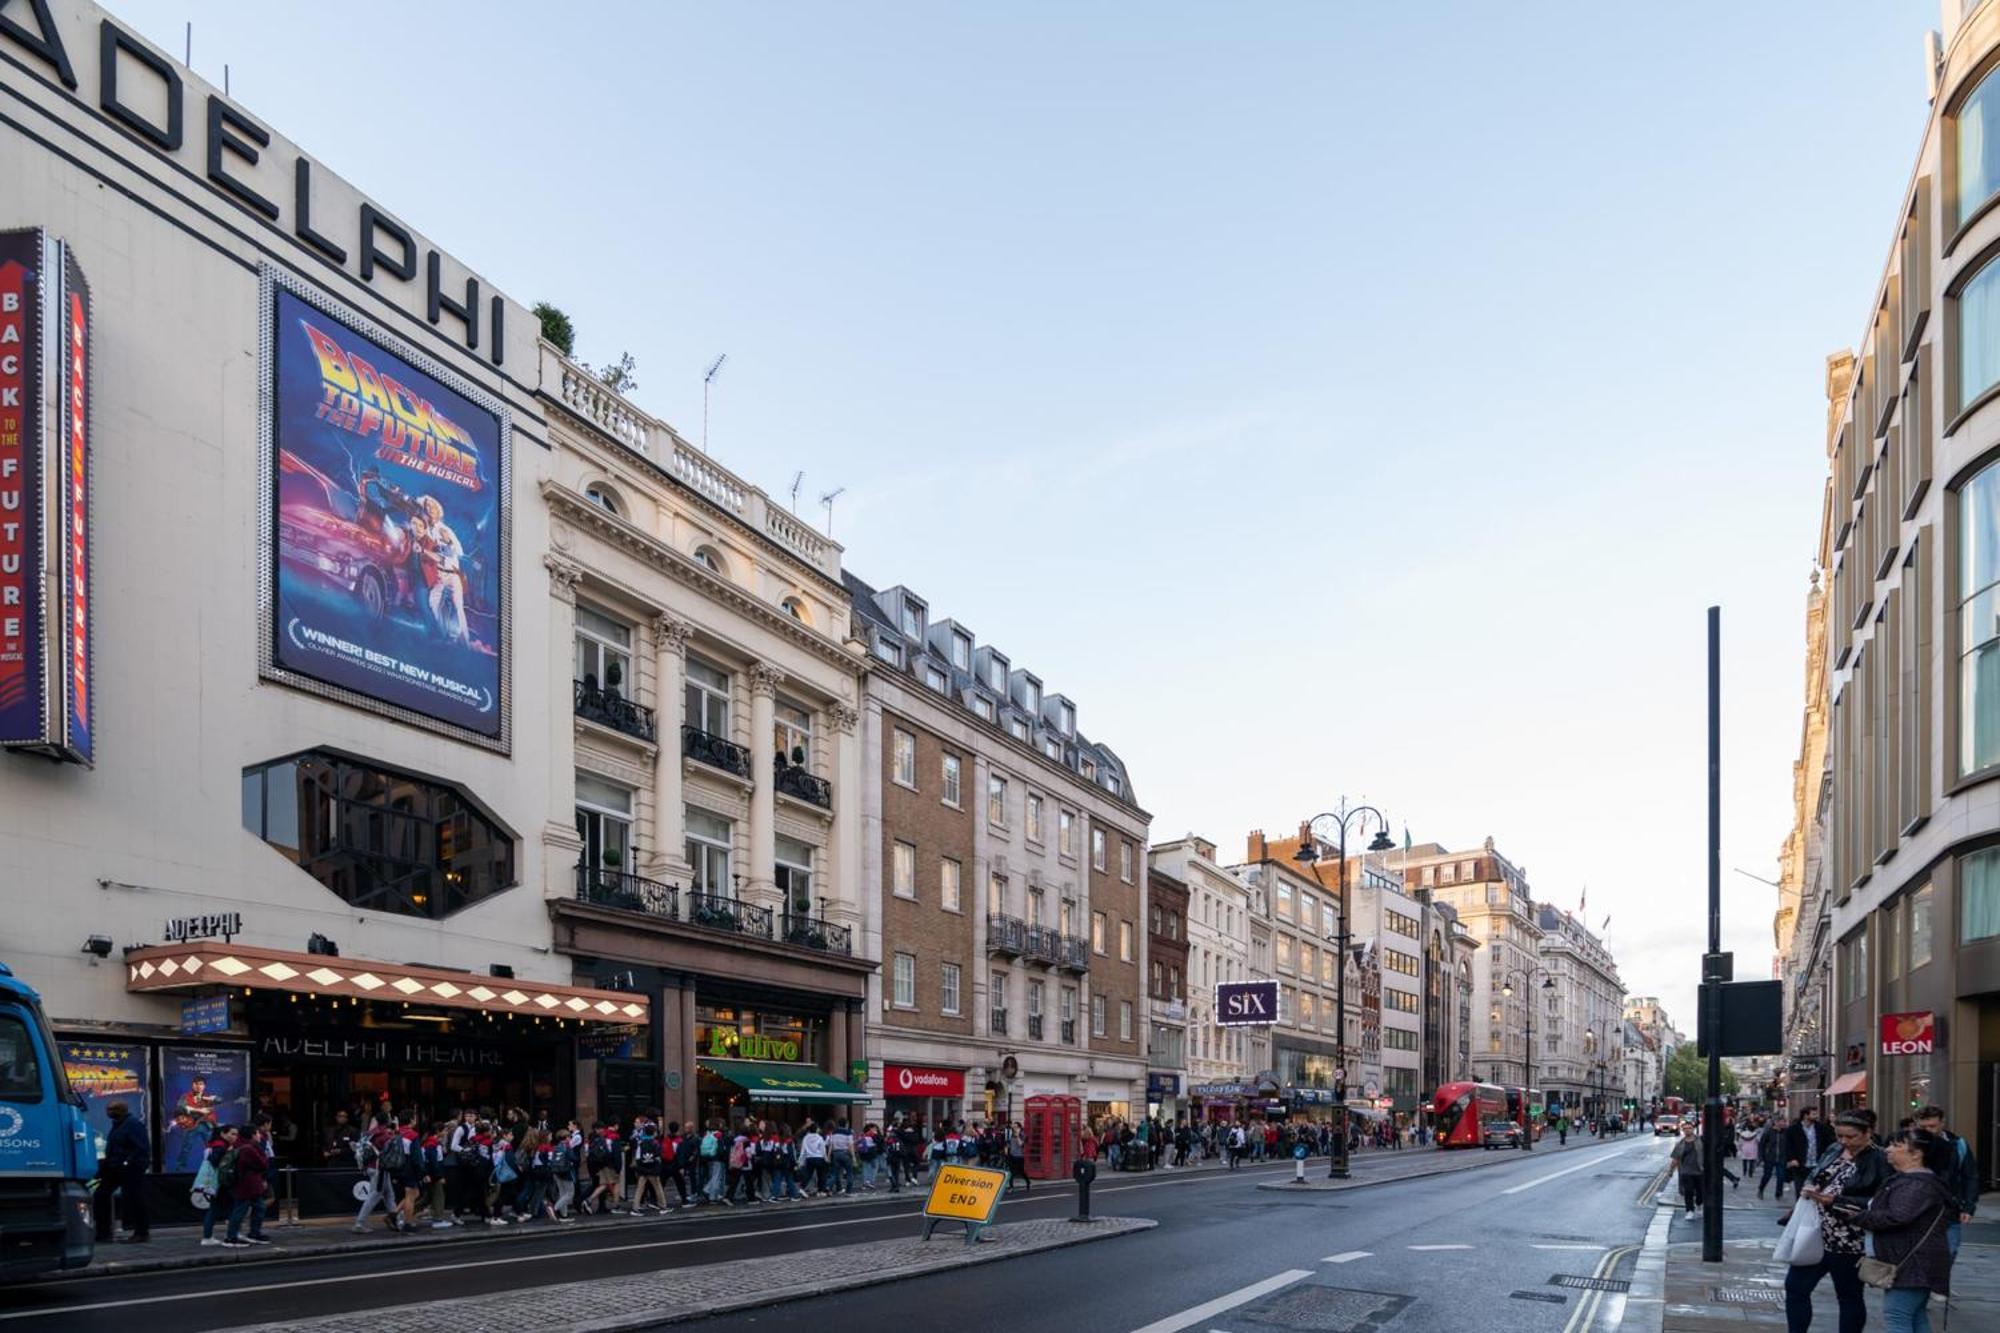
{"points": [[1338, 1168], [1711, 980], [1528, 1065]]}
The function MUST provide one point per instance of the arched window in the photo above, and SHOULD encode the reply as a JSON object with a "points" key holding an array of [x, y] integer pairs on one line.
{"points": [[604, 498], [710, 559], [796, 609]]}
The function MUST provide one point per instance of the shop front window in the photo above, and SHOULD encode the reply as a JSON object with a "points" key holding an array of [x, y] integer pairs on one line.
{"points": [[379, 839]]}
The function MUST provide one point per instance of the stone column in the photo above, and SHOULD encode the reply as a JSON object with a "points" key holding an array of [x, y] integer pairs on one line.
{"points": [[844, 903], [561, 847], [761, 886], [836, 1040], [670, 637]]}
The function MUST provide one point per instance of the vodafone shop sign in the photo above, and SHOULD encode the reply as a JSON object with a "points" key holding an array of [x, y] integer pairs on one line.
{"points": [[1909, 1034], [914, 1081]]}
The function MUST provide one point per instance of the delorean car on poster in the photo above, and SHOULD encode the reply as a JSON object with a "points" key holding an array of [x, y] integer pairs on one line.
{"points": [[388, 501]]}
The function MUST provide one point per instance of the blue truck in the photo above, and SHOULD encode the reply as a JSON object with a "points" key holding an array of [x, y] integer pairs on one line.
{"points": [[47, 1153]]}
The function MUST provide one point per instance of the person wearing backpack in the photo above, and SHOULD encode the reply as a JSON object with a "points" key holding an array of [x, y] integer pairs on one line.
{"points": [[403, 1167], [208, 1181], [372, 1187], [241, 1175], [564, 1148], [503, 1181], [600, 1155], [712, 1161], [840, 1158], [648, 1160], [812, 1159], [461, 1152], [437, 1175]]}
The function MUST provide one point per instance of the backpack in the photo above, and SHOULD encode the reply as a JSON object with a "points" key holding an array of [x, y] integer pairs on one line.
{"points": [[395, 1154], [365, 1155], [503, 1168], [225, 1172], [646, 1155], [711, 1144], [205, 1180]]}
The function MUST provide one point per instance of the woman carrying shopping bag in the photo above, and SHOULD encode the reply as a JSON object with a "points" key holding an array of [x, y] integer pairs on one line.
{"points": [[1908, 1215], [1842, 1183]]}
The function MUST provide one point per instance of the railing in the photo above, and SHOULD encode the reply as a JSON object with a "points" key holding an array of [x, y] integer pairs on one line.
{"points": [[820, 934], [1075, 954], [612, 709], [1034, 1027], [719, 913], [996, 1023], [793, 780], [713, 750], [796, 536], [1006, 934], [1043, 945], [631, 893], [700, 473], [587, 396]]}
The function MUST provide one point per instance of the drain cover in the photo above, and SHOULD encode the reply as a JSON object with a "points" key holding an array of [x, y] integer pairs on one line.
{"points": [[1748, 1295], [1551, 1297], [1330, 1309], [1583, 1283]]}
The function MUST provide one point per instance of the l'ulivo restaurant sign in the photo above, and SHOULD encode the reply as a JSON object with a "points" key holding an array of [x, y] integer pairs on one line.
{"points": [[730, 1044]]}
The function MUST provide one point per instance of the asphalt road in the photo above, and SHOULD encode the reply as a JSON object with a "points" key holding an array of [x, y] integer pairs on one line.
{"points": [[1218, 1233]]}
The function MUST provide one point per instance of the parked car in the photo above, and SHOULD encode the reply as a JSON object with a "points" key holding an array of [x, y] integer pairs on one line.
{"points": [[1666, 1124], [1500, 1134]]}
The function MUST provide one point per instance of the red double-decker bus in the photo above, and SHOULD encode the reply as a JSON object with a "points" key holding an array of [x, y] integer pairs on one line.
{"points": [[1460, 1112]]}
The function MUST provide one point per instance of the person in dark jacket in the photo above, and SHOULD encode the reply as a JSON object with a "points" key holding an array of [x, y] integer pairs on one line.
{"points": [[1771, 1157], [1805, 1141], [122, 1172], [248, 1192], [1845, 1181], [1961, 1172], [1908, 1216], [1687, 1159]]}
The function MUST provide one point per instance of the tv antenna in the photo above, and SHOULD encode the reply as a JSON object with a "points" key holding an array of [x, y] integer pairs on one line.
{"points": [[714, 368], [797, 479], [828, 500]]}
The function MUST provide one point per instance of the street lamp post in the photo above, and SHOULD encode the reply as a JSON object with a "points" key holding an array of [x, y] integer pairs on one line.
{"points": [[1528, 1062], [1308, 855]]}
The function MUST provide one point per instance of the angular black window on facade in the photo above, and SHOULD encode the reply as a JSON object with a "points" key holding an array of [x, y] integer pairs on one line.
{"points": [[382, 840]]}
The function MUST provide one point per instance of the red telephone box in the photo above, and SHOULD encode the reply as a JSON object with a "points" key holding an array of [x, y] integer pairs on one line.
{"points": [[1052, 1129]]}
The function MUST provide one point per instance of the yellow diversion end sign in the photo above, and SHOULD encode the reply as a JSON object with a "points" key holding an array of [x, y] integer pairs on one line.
{"points": [[968, 1194]]}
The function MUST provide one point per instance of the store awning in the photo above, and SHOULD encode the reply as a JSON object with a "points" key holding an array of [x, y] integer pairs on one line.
{"points": [[189, 967], [1849, 1083], [776, 1081]]}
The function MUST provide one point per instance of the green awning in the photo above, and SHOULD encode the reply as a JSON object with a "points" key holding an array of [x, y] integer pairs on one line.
{"points": [[776, 1081]]}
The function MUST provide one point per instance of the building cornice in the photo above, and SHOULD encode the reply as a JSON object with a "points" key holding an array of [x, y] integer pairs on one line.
{"points": [[649, 550]]}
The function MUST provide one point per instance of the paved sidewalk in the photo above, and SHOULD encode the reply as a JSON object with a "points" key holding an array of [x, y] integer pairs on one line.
{"points": [[647, 1300], [1675, 1292]]}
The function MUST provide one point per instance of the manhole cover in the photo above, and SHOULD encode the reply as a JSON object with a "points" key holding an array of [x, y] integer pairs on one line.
{"points": [[1330, 1309], [1549, 1296], [1748, 1295], [1583, 1283]]}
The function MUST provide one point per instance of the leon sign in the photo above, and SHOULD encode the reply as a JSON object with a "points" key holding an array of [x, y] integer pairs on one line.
{"points": [[1909, 1034], [1246, 1003]]}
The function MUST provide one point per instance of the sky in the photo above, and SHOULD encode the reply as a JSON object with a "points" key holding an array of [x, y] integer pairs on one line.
{"points": [[1334, 400]]}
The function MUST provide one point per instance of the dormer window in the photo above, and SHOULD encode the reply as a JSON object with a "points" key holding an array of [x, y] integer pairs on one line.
{"points": [[1066, 719], [913, 618], [961, 651], [984, 707], [1018, 727], [935, 679], [996, 674], [1033, 694], [1053, 749], [888, 650], [1089, 768]]}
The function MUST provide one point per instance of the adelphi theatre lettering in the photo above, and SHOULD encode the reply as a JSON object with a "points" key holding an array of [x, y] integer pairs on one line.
{"points": [[382, 1051], [142, 91]]}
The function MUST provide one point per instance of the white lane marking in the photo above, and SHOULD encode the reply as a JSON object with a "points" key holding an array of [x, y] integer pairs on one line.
{"points": [[1566, 1171], [1348, 1257], [1573, 1247], [1584, 1317], [1440, 1247], [1173, 1323]]}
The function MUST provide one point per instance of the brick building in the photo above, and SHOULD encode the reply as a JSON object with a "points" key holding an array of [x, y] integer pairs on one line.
{"points": [[1166, 995]]}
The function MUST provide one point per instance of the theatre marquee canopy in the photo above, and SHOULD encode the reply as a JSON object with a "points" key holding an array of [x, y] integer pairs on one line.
{"points": [[187, 967]]}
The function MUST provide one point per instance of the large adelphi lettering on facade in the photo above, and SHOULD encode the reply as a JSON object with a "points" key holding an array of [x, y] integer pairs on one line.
{"points": [[142, 92]]}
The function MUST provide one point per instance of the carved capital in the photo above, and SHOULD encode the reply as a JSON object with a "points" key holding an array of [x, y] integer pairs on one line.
{"points": [[563, 577], [671, 635], [844, 718], [765, 680]]}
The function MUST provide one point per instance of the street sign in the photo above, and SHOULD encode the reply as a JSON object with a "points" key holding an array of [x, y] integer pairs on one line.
{"points": [[968, 1194]]}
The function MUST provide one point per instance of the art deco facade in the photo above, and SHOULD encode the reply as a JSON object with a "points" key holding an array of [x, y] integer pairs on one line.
{"points": [[1913, 638]]}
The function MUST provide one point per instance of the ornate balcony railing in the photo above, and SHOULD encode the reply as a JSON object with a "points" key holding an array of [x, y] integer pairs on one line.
{"points": [[794, 780], [632, 893], [612, 709], [1006, 935], [1043, 945], [711, 749], [1034, 1027], [719, 913], [809, 932], [1075, 954]]}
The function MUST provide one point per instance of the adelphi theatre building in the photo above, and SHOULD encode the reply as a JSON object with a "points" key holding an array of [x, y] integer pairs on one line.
{"points": [[278, 826]]}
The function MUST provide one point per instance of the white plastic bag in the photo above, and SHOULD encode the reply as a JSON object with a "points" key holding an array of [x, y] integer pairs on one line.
{"points": [[1801, 1244]]}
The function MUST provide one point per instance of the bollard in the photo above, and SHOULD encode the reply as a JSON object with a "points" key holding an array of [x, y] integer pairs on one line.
{"points": [[1084, 1171], [1299, 1164]]}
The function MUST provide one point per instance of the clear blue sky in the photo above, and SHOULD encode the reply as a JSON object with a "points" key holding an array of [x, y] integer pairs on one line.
{"points": [[1330, 398]]}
